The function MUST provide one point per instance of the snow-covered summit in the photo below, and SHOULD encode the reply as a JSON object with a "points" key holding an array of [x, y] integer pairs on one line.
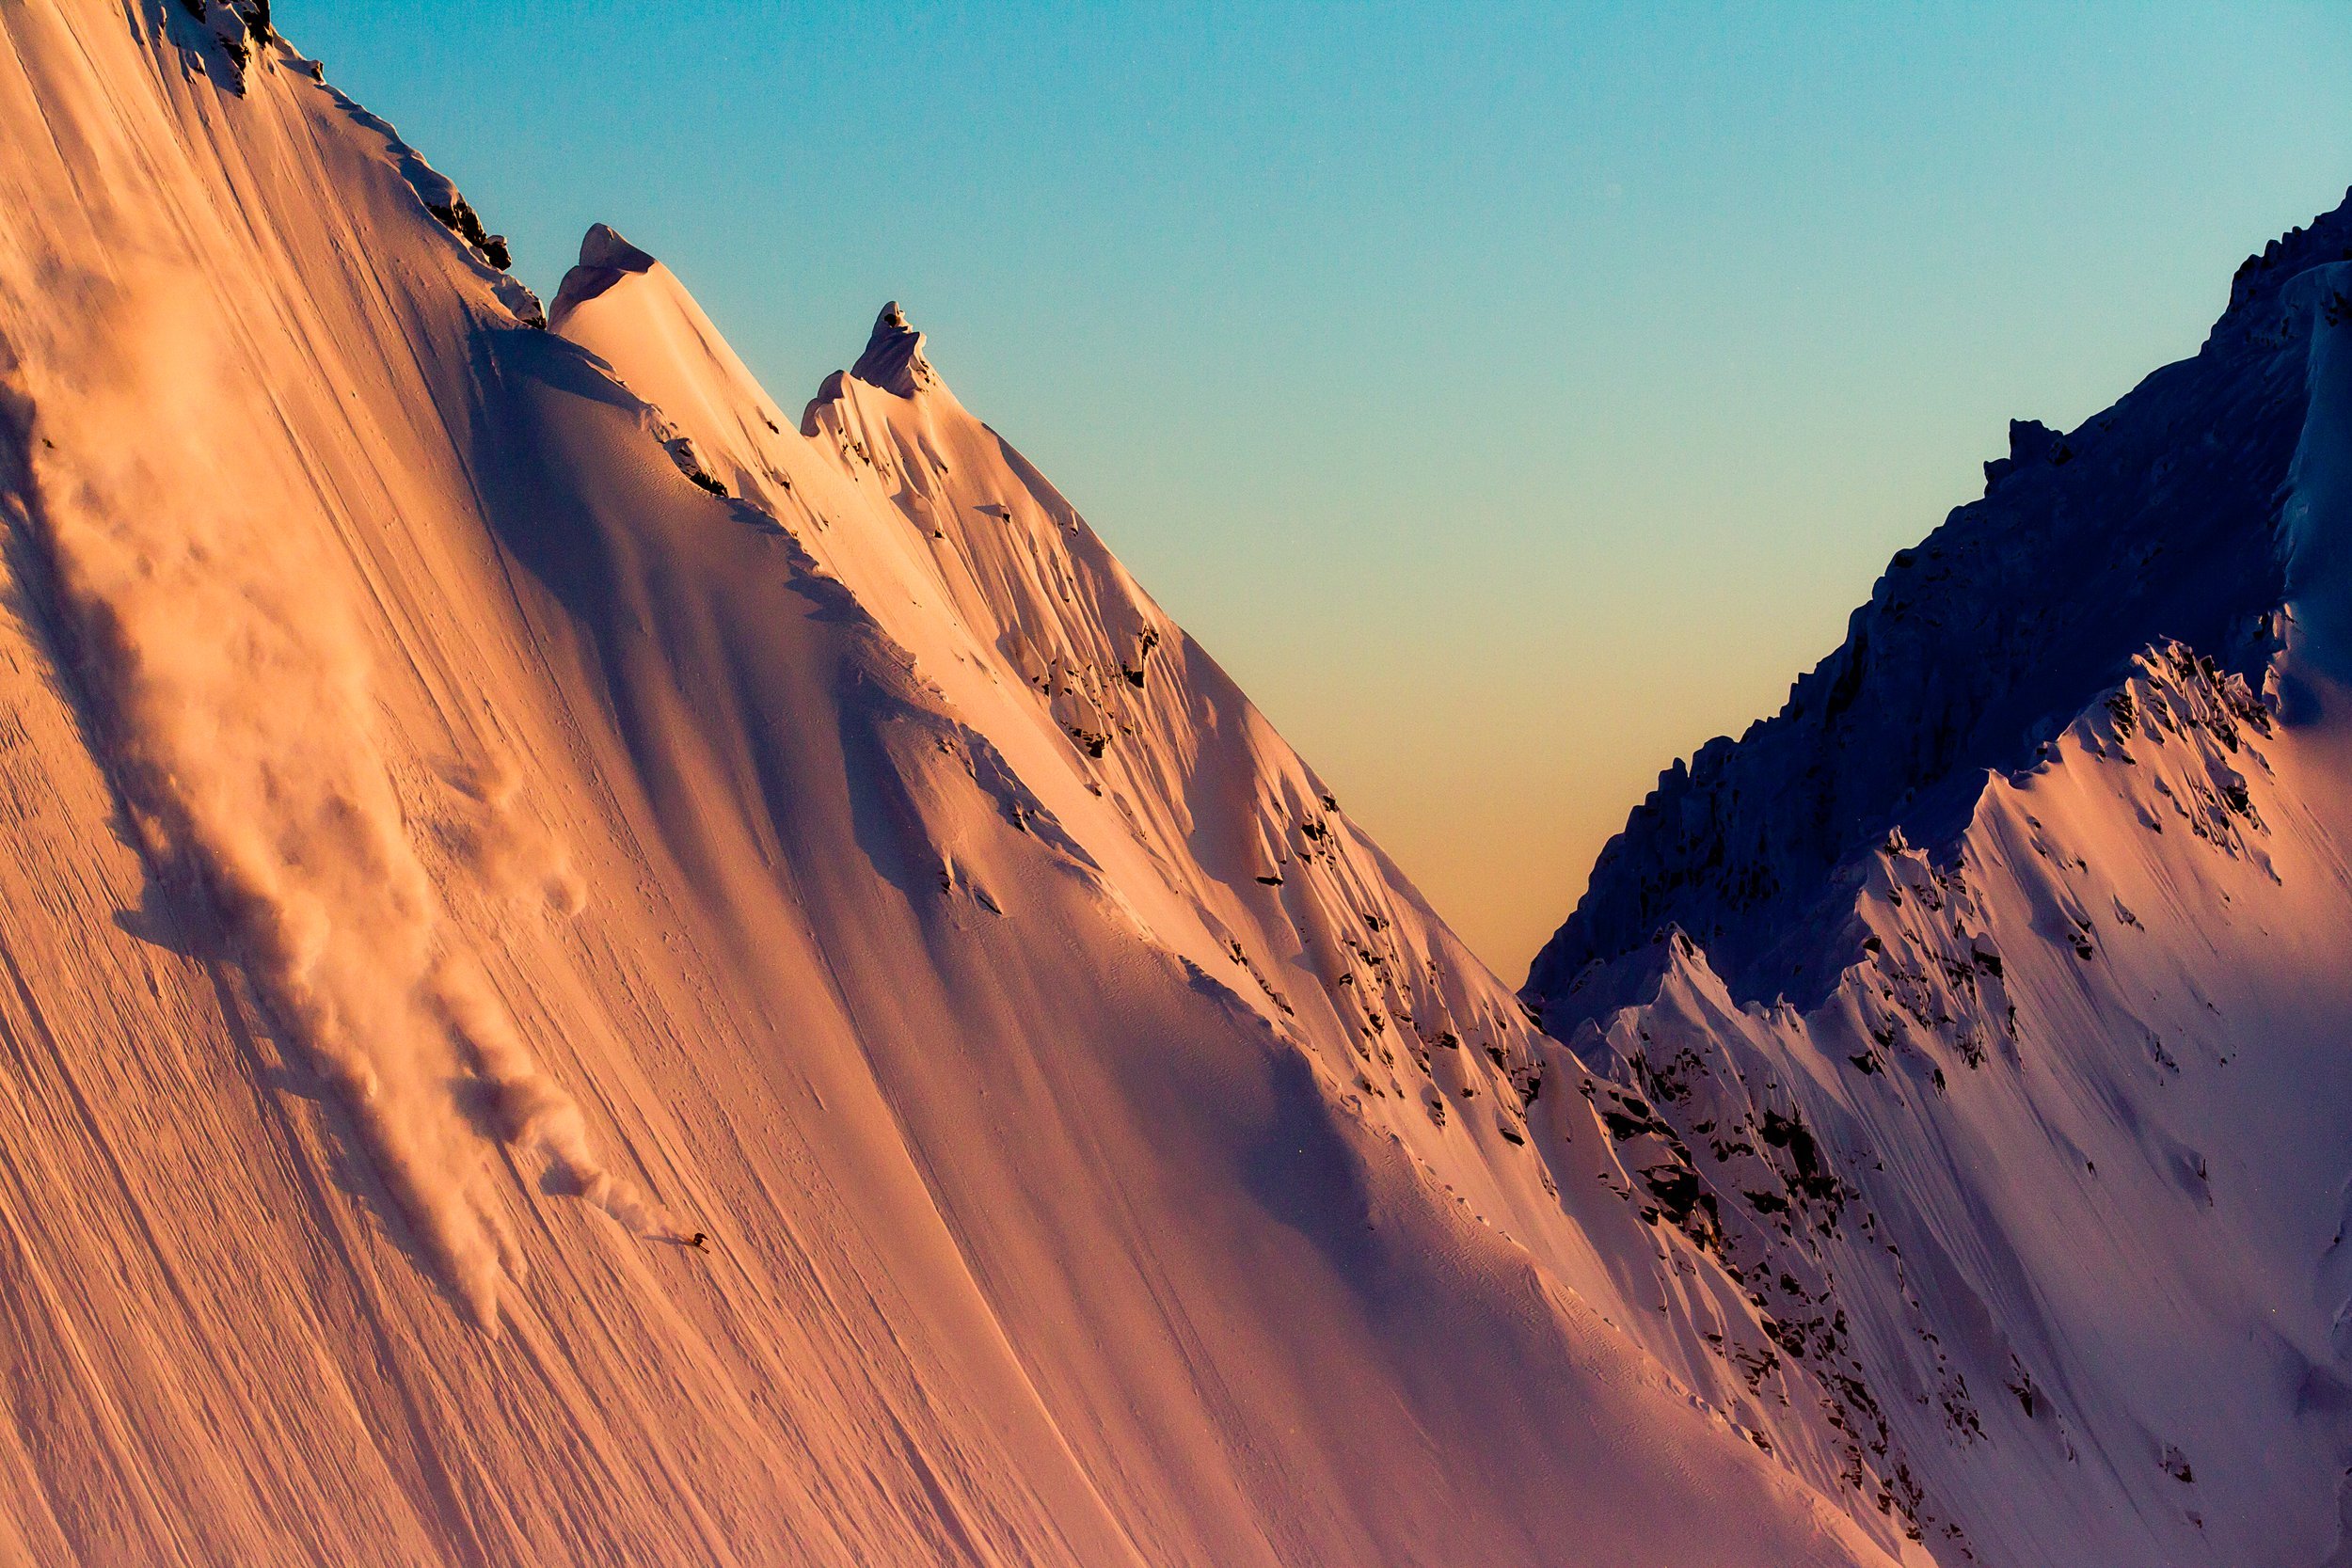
{"points": [[894, 360], [605, 258]]}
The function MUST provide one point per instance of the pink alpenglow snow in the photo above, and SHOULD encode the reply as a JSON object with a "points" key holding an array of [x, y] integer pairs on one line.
{"points": [[598, 970], [488, 805]]}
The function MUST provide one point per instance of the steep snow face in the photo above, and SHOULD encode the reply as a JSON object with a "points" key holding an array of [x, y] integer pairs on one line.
{"points": [[1153, 778], [1987, 1004], [489, 805], [1132, 753]]}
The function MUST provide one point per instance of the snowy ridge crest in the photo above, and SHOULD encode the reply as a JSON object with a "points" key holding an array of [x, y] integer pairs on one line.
{"points": [[1191, 821], [2262, 276], [894, 360], [605, 258]]}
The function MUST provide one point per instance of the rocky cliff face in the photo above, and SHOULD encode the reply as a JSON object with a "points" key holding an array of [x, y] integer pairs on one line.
{"points": [[1978, 1010], [2157, 518]]}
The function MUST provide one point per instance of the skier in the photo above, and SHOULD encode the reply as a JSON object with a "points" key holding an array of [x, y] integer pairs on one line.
{"points": [[699, 1241]]}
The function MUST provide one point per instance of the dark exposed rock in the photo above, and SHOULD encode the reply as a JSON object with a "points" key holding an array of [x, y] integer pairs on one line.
{"points": [[458, 217], [1977, 647]]}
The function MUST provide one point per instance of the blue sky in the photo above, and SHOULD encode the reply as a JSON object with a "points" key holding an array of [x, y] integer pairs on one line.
{"points": [[1512, 398]]}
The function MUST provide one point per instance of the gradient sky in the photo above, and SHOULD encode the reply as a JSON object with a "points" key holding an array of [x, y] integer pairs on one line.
{"points": [[1511, 398]]}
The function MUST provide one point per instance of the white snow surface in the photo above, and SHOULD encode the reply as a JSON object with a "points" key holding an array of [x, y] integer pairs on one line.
{"points": [[488, 801]]}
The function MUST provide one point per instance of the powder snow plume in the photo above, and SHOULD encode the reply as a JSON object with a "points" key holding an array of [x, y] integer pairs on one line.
{"points": [[222, 652]]}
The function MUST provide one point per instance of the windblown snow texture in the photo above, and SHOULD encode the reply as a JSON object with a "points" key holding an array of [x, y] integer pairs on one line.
{"points": [[489, 796], [1984, 1009]]}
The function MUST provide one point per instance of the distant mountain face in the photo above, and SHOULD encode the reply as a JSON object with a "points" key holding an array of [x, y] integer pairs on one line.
{"points": [[601, 968], [2159, 518], [2019, 933]]}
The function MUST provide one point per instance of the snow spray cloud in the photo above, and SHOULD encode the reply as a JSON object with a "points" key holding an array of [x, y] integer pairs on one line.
{"points": [[236, 692]]}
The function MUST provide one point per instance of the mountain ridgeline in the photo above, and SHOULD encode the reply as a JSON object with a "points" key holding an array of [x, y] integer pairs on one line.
{"points": [[2020, 928], [2156, 518], [599, 966]]}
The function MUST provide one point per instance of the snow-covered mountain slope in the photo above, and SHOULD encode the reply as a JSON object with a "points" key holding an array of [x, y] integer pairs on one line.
{"points": [[491, 797], [1986, 1008]]}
